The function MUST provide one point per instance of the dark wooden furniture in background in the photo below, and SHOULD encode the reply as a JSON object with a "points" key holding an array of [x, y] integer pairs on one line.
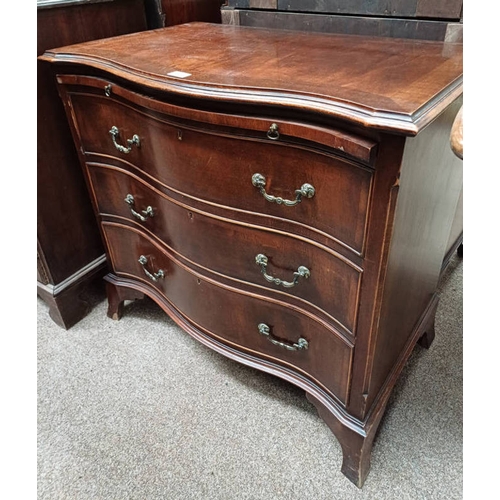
{"points": [[161, 13], [422, 19], [285, 197], [70, 252]]}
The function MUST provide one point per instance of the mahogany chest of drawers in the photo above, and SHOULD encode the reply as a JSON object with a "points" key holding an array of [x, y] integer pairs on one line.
{"points": [[286, 198]]}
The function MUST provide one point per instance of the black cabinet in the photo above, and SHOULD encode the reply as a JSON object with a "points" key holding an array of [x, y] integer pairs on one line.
{"points": [[419, 19]]}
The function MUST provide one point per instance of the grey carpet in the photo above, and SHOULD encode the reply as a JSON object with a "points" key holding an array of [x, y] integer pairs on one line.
{"points": [[137, 409]]}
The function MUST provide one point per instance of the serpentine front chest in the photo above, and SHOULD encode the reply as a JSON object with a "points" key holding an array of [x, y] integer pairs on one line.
{"points": [[285, 197]]}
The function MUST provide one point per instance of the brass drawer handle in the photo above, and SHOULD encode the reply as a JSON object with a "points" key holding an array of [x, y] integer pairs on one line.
{"points": [[307, 190], [131, 142], [129, 199], [273, 133], [302, 272], [153, 277], [266, 331]]}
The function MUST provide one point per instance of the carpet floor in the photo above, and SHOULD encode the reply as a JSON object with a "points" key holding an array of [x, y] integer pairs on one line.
{"points": [[136, 409]]}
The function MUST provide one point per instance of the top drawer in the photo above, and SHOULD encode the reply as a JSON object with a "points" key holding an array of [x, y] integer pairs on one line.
{"points": [[234, 167]]}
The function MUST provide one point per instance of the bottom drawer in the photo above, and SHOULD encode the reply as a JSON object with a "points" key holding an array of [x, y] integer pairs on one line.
{"points": [[256, 325]]}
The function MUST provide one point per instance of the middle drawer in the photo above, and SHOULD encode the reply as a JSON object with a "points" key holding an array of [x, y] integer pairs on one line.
{"points": [[309, 274]]}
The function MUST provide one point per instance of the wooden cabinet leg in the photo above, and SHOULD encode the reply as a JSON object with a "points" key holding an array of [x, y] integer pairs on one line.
{"points": [[356, 446], [117, 295], [427, 337], [427, 327], [66, 308], [356, 452]]}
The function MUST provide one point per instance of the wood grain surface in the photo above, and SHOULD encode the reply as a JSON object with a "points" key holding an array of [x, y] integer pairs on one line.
{"points": [[395, 85]]}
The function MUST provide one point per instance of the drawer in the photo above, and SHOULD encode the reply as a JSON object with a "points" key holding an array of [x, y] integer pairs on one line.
{"points": [[229, 168], [254, 324], [288, 265]]}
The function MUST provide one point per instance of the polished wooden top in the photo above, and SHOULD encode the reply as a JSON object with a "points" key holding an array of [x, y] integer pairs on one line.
{"points": [[392, 84]]}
